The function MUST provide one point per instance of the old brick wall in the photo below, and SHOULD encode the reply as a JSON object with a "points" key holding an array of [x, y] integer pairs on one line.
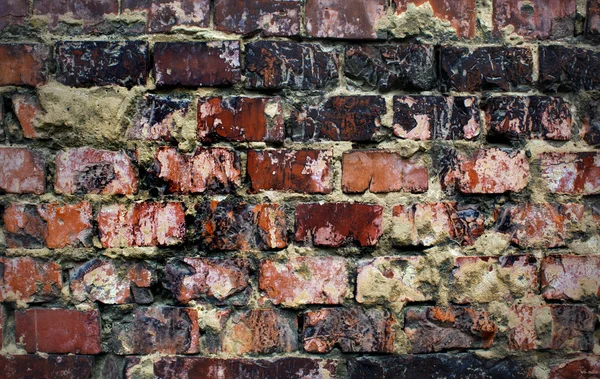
{"points": [[299, 189]]}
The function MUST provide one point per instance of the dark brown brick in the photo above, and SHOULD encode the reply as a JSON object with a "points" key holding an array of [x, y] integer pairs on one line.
{"points": [[570, 277], [586, 366], [459, 13], [566, 69], [164, 15], [47, 367], [537, 19], [29, 280], [155, 118], [592, 26], [342, 19], [13, 12], [270, 17], [590, 130], [571, 173], [23, 64], [22, 170]]}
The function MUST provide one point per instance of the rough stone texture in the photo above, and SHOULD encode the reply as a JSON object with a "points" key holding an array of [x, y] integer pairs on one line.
{"points": [[13, 12], [565, 68], [156, 117], [240, 226], [335, 224], [459, 13], [47, 367], [340, 118], [429, 224], [164, 15], [29, 280], [22, 171], [436, 117], [590, 131], [486, 68], [434, 329], [531, 117], [341, 19], [571, 173], [538, 19], [271, 18], [382, 171], [390, 67], [487, 279], [305, 280], [27, 109], [570, 277], [240, 119], [291, 65], [23, 64], [306, 171], [584, 367], [197, 64], [351, 329]]}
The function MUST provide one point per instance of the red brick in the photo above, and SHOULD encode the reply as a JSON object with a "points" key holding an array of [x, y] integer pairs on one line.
{"points": [[28, 280], [306, 171], [157, 118], [593, 18], [566, 68], [434, 329], [23, 64], [58, 331], [46, 367], [197, 64], [570, 277], [240, 119], [305, 280], [352, 330], [160, 329], [22, 171], [341, 19], [334, 224], [164, 15], [259, 331], [88, 170], [538, 19], [428, 224], [3, 318], [142, 224], [226, 280], [489, 170], [271, 17], [590, 123], [13, 12], [486, 279], [460, 13], [111, 282], [206, 170], [566, 327], [382, 171], [581, 367], [91, 13], [540, 225], [27, 109], [229, 225], [571, 173]]}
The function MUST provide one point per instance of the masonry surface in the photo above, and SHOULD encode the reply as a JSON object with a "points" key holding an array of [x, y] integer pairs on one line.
{"points": [[299, 189]]}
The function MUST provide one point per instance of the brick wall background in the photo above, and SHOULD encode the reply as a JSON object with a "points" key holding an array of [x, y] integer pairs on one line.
{"points": [[299, 189]]}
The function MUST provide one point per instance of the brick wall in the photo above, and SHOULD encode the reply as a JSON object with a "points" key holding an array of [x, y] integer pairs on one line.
{"points": [[299, 189]]}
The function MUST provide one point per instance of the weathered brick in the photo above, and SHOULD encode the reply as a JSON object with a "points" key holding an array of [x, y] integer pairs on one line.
{"points": [[487, 279], [259, 331], [433, 329], [48, 225], [590, 131], [27, 109], [460, 13], [197, 64], [29, 280], [489, 170], [587, 366], [566, 69], [240, 119], [285, 367], [289, 65], [341, 19], [538, 19], [429, 224], [540, 225], [564, 327], [229, 225], [47, 367], [50, 330], [142, 224], [3, 318], [112, 282], [352, 330], [206, 170], [156, 117], [486, 68], [436, 117], [395, 279], [22, 170], [571, 173], [335, 224], [592, 25], [570, 277], [382, 171], [307, 171], [305, 280], [164, 15], [23, 64], [227, 280], [87, 170], [102, 63], [340, 118], [271, 18], [91, 13], [160, 329], [13, 12]]}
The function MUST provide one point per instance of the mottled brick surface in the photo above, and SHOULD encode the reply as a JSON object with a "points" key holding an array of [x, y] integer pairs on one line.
{"points": [[22, 170], [536, 19], [571, 173], [271, 18], [340, 19], [23, 64], [460, 13]]}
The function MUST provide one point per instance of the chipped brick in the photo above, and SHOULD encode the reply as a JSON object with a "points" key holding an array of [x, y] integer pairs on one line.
{"points": [[584, 367], [90, 13], [590, 130], [271, 18], [27, 109], [568, 69], [13, 12], [571, 173], [341, 19], [156, 118], [22, 170], [29, 280], [570, 277], [23, 64], [459, 13], [164, 15], [538, 19]]}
